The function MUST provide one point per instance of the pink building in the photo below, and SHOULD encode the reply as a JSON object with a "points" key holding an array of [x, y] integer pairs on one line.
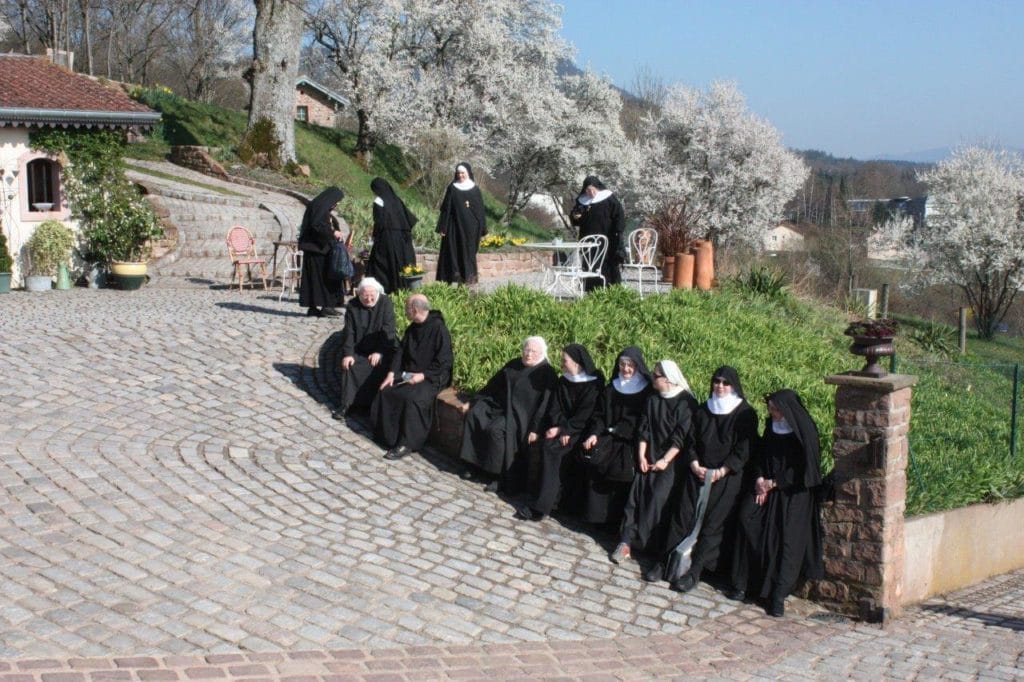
{"points": [[316, 104]]}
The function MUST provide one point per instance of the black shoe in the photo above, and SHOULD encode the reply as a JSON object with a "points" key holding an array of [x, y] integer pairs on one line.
{"points": [[467, 475], [735, 594], [684, 584], [339, 413], [493, 487], [776, 608], [329, 312], [398, 453], [528, 514], [314, 312], [653, 573]]}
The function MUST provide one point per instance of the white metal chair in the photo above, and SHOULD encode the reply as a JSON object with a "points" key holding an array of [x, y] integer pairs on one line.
{"points": [[587, 267], [643, 247], [291, 275]]}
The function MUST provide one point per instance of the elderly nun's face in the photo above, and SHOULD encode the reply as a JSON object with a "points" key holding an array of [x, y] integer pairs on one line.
{"points": [[570, 366], [591, 191], [661, 382], [461, 174], [369, 296], [533, 353], [627, 368]]}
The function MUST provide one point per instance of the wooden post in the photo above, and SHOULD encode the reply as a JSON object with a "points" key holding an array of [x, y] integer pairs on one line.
{"points": [[963, 330]]}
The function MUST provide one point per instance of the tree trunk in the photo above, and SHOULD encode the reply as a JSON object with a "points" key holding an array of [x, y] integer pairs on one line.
{"points": [[277, 39]]}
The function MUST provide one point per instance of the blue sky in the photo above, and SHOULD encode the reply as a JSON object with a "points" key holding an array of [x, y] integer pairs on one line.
{"points": [[852, 78]]}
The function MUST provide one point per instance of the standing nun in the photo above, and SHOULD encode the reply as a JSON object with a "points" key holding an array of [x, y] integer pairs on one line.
{"points": [[779, 530], [462, 226], [320, 290], [599, 211], [609, 451], [664, 433], [392, 236], [724, 429]]}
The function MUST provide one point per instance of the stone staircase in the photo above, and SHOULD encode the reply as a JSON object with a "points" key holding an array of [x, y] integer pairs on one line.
{"points": [[202, 216]]}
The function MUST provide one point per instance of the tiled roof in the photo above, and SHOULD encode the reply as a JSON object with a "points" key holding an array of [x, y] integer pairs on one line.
{"points": [[34, 91]]}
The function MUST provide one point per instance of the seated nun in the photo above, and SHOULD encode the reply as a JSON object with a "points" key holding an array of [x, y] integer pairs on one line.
{"points": [[506, 416], [367, 344]]}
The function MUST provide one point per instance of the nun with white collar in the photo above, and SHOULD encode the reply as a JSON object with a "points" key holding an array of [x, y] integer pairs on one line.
{"points": [[598, 211], [609, 450], [461, 225], [724, 430]]}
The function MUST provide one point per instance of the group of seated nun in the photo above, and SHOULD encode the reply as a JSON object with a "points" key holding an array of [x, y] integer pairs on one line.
{"points": [[687, 488]]}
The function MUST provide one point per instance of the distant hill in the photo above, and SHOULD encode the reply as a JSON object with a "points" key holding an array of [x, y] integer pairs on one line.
{"points": [[925, 156]]}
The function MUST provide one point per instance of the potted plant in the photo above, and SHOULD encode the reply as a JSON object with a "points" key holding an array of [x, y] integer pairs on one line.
{"points": [[674, 235], [47, 249], [412, 276], [873, 339], [6, 265], [118, 226]]}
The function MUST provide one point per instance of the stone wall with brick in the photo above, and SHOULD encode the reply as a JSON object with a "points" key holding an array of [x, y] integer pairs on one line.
{"points": [[863, 527], [491, 265], [198, 159]]}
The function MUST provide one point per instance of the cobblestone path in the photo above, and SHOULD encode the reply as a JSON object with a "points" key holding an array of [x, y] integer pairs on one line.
{"points": [[176, 502]]}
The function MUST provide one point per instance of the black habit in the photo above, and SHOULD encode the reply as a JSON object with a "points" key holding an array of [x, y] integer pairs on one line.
{"points": [[717, 440], [392, 237], [665, 424], [319, 288], [605, 217], [510, 407], [610, 463], [402, 415], [462, 224], [571, 409], [367, 331], [779, 540]]}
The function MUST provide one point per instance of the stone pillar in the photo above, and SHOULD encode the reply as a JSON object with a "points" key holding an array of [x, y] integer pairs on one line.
{"points": [[863, 528]]}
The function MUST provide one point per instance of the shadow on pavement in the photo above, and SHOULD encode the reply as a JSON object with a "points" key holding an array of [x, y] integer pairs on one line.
{"points": [[991, 619], [249, 308]]}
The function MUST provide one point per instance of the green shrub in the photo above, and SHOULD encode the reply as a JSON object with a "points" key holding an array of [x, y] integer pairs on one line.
{"points": [[49, 246], [261, 146], [764, 281], [935, 337], [6, 262]]}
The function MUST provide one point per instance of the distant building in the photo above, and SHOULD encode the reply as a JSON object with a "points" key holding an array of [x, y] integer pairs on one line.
{"points": [[316, 104], [783, 238], [918, 208]]}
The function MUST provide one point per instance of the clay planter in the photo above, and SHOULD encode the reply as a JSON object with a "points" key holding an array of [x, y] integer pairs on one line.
{"points": [[128, 275], [668, 265], [872, 348], [704, 264], [682, 277]]}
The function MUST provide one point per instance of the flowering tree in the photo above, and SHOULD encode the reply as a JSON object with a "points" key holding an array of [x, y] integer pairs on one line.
{"points": [[721, 168], [974, 240]]}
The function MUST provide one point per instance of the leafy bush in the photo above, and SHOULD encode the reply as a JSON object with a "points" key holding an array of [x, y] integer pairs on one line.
{"points": [[6, 262], [935, 337], [261, 146], [763, 280], [49, 246]]}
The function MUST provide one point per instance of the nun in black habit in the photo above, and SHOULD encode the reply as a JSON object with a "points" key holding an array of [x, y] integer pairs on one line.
{"points": [[609, 451], [724, 430], [392, 236], [320, 289], [663, 434], [506, 417], [779, 522], [462, 225], [598, 211], [403, 409], [367, 344], [576, 395]]}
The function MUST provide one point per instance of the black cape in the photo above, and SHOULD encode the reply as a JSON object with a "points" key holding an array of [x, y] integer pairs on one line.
{"points": [[665, 424], [319, 286], [610, 466], [510, 407], [366, 331], [392, 237], [462, 224], [402, 415], [716, 440], [608, 218], [779, 541]]}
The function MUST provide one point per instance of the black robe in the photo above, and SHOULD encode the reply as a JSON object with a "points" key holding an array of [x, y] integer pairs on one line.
{"points": [[402, 415], [319, 287], [610, 463], [716, 440], [778, 541], [665, 424], [607, 218], [510, 407], [462, 224], [392, 238], [366, 331], [571, 409]]}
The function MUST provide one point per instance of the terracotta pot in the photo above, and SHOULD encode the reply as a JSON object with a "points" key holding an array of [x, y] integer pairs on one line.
{"points": [[704, 264], [668, 265], [682, 277]]}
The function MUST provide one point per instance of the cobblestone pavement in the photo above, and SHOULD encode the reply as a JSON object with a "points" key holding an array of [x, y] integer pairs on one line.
{"points": [[176, 502]]}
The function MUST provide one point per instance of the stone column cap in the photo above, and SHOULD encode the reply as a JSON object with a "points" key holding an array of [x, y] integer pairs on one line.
{"points": [[887, 384]]}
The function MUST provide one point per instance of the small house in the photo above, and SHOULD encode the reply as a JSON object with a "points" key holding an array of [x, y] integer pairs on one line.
{"points": [[316, 104]]}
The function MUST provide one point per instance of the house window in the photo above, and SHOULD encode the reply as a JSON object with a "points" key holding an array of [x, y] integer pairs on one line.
{"points": [[42, 185], [302, 114]]}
